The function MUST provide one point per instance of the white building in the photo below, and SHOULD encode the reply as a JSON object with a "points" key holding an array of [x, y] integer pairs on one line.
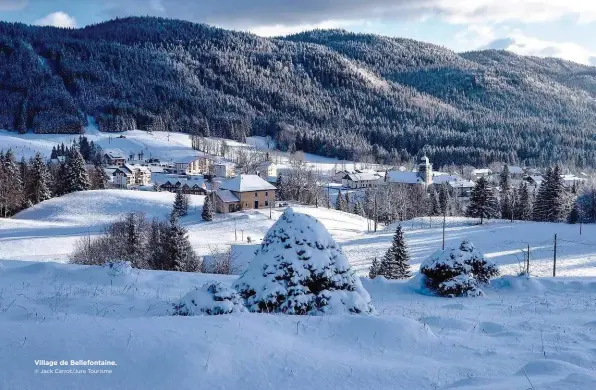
{"points": [[223, 169], [478, 173], [131, 175], [267, 169], [192, 165], [361, 180]]}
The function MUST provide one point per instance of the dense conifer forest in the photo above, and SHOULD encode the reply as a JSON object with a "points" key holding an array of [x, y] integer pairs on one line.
{"points": [[330, 92]]}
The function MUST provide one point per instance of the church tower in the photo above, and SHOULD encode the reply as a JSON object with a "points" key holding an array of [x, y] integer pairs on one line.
{"points": [[425, 171]]}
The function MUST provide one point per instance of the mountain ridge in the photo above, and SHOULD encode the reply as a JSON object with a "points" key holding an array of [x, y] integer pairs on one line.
{"points": [[331, 92]]}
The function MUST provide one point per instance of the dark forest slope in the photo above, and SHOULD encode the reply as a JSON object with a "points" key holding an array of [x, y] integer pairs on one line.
{"points": [[329, 92]]}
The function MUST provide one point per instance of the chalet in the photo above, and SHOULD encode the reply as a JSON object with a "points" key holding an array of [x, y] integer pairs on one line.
{"points": [[267, 169], [114, 157], [244, 192], [461, 188], [223, 169], [193, 165], [131, 175], [361, 180]]}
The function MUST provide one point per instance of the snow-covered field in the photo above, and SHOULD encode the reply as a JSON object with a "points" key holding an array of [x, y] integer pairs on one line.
{"points": [[526, 333], [165, 146]]}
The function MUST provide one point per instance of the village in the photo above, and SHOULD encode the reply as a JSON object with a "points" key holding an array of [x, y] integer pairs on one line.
{"points": [[253, 186]]}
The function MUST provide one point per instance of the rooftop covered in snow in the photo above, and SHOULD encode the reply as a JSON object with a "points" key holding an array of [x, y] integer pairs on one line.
{"points": [[246, 183]]}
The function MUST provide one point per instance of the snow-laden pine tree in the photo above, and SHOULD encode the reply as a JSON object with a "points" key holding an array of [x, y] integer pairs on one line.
{"points": [[357, 209], [11, 185], [340, 202], [435, 207], [523, 204], [180, 207], [395, 263], [99, 178], [300, 269], [38, 188], [77, 178], [552, 202], [348, 201], [178, 254], [483, 202], [373, 271], [444, 200], [208, 209]]}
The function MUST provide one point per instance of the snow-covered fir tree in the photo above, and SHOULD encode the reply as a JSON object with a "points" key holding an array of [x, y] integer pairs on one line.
{"points": [[395, 263], [357, 209], [208, 209], [38, 181], [507, 198], [523, 204], [483, 202], [435, 207], [340, 202], [177, 250], [77, 178], [180, 207], [552, 201], [373, 271], [444, 200], [300, 269], [11, 185], [99, 178], [348, 202]]}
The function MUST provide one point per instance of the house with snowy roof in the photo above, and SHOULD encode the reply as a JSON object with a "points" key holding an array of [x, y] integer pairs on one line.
{"points": [[223, 169], [361, 180], [114, 157], [131, 175], [244, 192], [192, 165], [423, 176]]}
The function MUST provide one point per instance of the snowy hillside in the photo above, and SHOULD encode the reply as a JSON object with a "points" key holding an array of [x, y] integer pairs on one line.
{"points": [[165, 146], [523, 333], [48, 231], [539, 328]]}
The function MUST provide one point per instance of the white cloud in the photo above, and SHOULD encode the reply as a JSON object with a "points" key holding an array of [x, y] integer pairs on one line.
{"points": [[57, 19], [281, 30], [522, 44]]}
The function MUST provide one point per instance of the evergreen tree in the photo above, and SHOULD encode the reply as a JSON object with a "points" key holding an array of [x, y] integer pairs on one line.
{"points": [[347, 201], [444, 200], [523, 205], [357, 209], [38, 181], [574, 216], [483, 203], [340, 202], [208, 209], [504, 180], [435, 207], [77, 178], [373, 271], [180, 208], [11, 185], [177, 252], [552, 202], [395, 263], [279, 193], [59, 180], [99, 177]]}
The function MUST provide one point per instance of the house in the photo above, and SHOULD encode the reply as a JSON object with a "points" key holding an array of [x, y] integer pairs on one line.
{"points": [[131, 175], [244, 192], [114, 157], [516, 172], [478, 173], [361, 180], [461, 188], [198, 188], [222, 169], [572, 180], [267, 169], [192, 165]]}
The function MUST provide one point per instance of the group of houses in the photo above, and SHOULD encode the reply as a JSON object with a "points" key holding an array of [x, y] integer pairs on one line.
{"points": [[462, 187]]}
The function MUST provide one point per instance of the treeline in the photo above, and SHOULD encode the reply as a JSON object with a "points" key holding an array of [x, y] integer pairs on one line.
{"points": [[352, 96], [29, 182]]}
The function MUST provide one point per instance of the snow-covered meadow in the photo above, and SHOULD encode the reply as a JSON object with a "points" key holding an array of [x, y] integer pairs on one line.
{"points": [[525, 333]]}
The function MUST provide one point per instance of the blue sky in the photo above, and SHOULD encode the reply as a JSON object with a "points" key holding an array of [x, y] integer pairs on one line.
{"points": [[557, 28]]}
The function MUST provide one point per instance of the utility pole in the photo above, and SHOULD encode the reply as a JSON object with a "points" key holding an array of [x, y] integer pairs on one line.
{"points": [[555, 259], [235, 231], [528, 262], [270, 205]]}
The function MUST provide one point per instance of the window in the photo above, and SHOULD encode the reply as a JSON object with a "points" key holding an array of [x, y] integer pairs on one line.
{"points": [[266, 203], [266, 193], [256, 194]]}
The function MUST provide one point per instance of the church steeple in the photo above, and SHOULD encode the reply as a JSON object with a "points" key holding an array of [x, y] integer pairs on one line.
{"points": [[425, 170]]}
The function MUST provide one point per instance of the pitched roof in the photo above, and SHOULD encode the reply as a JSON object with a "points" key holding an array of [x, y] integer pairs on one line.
{"points": [[403, 177], [440, 179], [362, 176], [246, 183], [461, 184], [114, 153], [226, 196]]}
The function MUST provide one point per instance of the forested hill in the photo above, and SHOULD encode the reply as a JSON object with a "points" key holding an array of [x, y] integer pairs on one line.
{"points": [[328, 91]]}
